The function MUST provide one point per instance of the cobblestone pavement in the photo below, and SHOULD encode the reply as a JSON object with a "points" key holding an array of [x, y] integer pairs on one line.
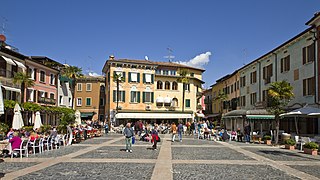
{"points": [[105, 158]]}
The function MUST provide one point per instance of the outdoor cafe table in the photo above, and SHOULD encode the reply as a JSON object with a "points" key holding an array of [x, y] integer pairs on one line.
{"points": [[3, 145]]}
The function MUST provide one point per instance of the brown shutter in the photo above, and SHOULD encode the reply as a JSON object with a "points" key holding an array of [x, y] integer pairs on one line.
{"points": [[304, 87], [35, 74], [304, 55], [281, 64], [311, 54]]}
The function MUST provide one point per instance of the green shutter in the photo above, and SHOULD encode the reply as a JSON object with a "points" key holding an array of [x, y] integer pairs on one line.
{"points": [[144, 78], [124, 76], [152, 78], [123, 96], [138, 78], [187, 102], [108, 76], [114, 75], [129, 77], [114, 95], [144, 97], [138, 97], [152, 97]]}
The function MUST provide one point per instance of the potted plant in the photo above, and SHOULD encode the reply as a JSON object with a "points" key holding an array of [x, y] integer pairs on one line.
{"points": [[267, 139], [290, 144], [311, 148]]}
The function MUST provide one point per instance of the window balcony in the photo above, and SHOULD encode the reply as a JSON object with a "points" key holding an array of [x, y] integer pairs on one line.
{"points": [[45, 100], [7, 74]]}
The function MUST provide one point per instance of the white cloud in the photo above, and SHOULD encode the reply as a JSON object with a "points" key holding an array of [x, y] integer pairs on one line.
{"points": [[94, 74], [199, 61]]}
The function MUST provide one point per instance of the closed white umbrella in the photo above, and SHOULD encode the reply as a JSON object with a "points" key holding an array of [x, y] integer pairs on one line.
{"points": [[37, 121], [1, 101], [17, 122], [78, 117]]}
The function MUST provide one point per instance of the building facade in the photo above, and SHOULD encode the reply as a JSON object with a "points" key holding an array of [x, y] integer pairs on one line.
{"points": [[150, 91]]}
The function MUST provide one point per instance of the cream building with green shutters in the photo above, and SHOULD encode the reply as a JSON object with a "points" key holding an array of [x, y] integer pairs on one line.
{"points": [[150, 91]]}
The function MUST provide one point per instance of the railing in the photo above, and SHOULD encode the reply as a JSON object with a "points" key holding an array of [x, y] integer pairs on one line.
{"points": [[9, 83], [45, 100]]}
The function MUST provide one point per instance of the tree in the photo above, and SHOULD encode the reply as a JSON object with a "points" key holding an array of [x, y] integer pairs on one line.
{"points": [[72, 73], [25, 81], [117, 77], [184, 79], [279, 95]]}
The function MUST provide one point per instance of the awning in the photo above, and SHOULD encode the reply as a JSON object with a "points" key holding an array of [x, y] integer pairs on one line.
{"points": [[152, 116], [159, 100], [86, 114], [260, 116], [9, 61], [213, 115], [20, 64], [11, 89], [167, 100], [200, 115]]}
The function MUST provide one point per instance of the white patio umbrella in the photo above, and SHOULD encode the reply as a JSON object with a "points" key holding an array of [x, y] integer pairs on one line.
{"points": [[17, 122], [37, 121], [78, 117], [1, 101]]}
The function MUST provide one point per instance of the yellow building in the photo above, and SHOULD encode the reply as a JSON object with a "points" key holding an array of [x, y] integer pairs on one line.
{"points": [[150, 91], [90, 97]]}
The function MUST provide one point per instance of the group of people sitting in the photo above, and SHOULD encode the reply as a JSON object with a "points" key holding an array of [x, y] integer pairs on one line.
{"points": [[15, 138]]}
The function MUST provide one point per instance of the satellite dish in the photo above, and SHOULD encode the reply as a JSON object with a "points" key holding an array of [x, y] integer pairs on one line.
{"points": [[146, 58]]}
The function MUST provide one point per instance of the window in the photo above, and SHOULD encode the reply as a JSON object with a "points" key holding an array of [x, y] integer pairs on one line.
{"points": [[134, 77], [285, 64], [42, 76], [267, 73], [158, 71], [51, 95], [264, 95], [135, 97], [121, 96], [192, 74], [308, 54], [148, 78], [70, 102], [231, 88], [243, 101], [174, 102], [79, 101], [101, 102], [253, 98], [253, 77], [187, 87], [187, 103], [52, 79], [30, 95], [42, 94], [31, 73], [121, 75], [242, 81], [61, 100], [174, 85], [148, 97], [165, 72], [173, 73], [159, 84], [88, 101], [88, 87], [309, 86], [79, 87], [167, 85], [101, 117]]}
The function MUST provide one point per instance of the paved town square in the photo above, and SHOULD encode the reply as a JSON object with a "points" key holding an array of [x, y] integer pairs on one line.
{"points": [[105, 158]]}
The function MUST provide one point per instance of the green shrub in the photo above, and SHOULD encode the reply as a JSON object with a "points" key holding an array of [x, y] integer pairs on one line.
{"points": [[267, 137], [311, 145], [4, 128], [290, 142], [28, 128], [45, 128]]}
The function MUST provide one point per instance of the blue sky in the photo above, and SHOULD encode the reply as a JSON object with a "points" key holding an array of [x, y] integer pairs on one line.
{"points": [[85, 33]]}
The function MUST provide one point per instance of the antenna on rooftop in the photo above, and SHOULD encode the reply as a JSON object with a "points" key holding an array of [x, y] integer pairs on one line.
{"points": [[170, 56], [3, 27]]}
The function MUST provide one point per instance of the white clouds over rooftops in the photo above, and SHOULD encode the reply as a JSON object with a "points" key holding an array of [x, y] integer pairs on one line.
{"points": [[199, 61]]}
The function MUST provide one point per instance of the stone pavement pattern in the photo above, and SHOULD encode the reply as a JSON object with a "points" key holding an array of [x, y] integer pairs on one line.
{"points": [[105, 158]]}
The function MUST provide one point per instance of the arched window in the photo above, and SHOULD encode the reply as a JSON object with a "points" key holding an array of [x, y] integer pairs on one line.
{"points": [[159, 84], [167, 85], [174, 85], [174, 102]]}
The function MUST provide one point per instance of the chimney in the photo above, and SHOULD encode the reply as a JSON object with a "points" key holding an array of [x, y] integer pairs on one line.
{"points": [[111, 57]]}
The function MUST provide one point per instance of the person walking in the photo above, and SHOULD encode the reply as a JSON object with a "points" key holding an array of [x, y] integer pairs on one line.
{"points": [[128, 133], [155, 137], [174, 131], [247, 130], [180, 130]]}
